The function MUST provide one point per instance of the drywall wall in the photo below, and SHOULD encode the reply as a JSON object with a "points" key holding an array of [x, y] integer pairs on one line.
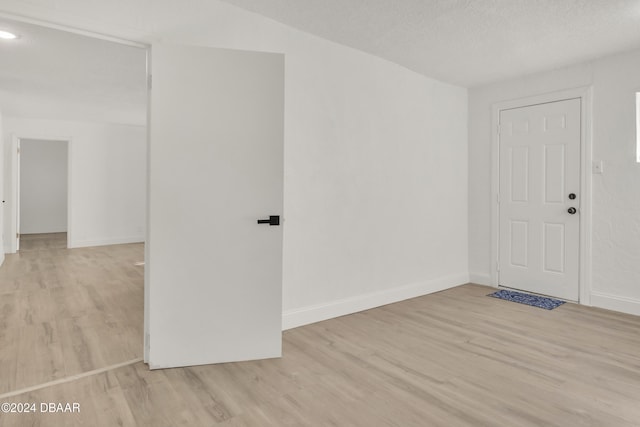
{"points": [[375, 155], [17, 103], [107, 189], [43, 186], [615, 261]]}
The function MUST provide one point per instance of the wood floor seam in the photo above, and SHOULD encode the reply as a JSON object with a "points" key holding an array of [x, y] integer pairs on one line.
{"points": [[70, 378]]}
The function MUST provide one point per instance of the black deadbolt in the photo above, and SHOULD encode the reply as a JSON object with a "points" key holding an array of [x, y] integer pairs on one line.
{"points": [[572, 196], [572, 210]]}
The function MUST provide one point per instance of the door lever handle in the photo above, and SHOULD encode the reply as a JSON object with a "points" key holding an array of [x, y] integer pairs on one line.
{"points": [[273, 220]]}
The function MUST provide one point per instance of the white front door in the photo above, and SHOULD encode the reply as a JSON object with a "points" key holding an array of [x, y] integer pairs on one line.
{"points": [[539, 243], [214, 279]]}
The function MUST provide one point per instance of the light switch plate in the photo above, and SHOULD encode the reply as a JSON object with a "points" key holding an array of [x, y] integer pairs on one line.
{"points": [[598, 167]]}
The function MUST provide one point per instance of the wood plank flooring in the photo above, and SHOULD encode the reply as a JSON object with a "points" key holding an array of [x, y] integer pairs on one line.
{"points": [[38, 242], [455, 358], [67, 311]]}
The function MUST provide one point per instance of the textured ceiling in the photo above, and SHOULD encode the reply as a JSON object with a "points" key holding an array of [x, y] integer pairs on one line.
{"points": [[467, 42], [50, 73], [56, 74]]}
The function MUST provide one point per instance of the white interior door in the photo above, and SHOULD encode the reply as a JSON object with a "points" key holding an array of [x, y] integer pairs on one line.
{"points": [[216, 166], [539, 188]]}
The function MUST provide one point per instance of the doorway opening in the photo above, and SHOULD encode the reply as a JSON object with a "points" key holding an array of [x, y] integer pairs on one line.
{"points": [[42, 190], [75, 139]]}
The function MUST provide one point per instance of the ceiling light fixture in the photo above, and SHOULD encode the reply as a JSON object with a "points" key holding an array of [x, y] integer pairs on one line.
{"points": [[6, 35]]}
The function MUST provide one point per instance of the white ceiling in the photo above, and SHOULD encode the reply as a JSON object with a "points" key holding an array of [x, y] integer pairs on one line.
{"points": [[60, 75], [467, 42]]}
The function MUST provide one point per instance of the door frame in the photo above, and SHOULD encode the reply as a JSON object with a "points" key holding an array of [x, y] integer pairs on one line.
{"points": [[585, 94], [15, 182]]}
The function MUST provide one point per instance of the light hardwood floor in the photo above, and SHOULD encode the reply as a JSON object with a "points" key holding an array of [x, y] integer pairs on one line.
{"points": [[455, 358], [38, 242], [67, 311]]}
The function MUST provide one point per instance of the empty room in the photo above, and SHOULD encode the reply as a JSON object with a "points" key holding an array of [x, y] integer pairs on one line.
{"points": [[346, 213]]}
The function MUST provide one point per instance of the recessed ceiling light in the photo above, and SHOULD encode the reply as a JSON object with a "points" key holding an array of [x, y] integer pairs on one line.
{"points": [[6, 35]]}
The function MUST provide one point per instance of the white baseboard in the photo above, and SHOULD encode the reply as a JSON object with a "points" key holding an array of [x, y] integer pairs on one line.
{"points": [[48, 230], [480, 279], [316, 313], [614, 302], [105, 242]]}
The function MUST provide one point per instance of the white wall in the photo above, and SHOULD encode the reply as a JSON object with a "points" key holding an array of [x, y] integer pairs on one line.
{"points": [[108, 177], [375, 155], [17, 103], [615, 262], [43, 186]]}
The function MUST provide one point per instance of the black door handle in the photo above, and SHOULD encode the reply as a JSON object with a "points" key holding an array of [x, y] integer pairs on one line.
{"points": [[273, 220], [572, 210]]}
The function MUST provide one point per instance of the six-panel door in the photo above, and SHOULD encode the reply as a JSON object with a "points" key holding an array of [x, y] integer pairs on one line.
{"points": [[539, 173]]}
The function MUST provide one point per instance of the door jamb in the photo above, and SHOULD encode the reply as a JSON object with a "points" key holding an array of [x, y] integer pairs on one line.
{"points": [[585, 94], [13, 196]]}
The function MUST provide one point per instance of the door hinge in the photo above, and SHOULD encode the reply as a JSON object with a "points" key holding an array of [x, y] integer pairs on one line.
{"points": [[17, 235], [18, 150], [497, 265], [149, 81]]}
